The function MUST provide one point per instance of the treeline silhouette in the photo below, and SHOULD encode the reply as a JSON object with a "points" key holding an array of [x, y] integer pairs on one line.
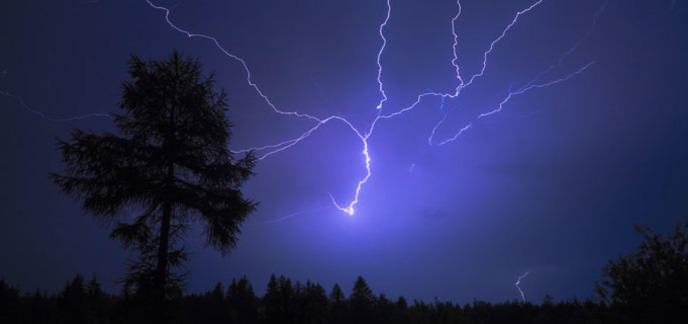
{"points": [[285, 301], [647, 286]]}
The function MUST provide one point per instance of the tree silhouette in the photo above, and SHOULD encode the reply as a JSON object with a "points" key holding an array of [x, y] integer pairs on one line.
{"points": [[337, 305], [362, 301], [361, 293], [272, 302], [170, 162], [651, 285], [242, 302], [9, 302], [336, 295], [73, 301]]}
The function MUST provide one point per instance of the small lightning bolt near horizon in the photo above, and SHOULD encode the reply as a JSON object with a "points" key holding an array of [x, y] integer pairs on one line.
{"points": [[518, 286]]}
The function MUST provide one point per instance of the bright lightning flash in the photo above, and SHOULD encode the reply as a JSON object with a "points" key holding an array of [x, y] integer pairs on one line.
{"points": [[268, 150]]}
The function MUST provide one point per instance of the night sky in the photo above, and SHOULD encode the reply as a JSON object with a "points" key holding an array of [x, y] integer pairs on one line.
{"points": [[550, 185]]}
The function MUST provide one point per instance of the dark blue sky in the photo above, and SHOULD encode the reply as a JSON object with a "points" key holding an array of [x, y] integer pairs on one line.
{"points": [[551, 185]]}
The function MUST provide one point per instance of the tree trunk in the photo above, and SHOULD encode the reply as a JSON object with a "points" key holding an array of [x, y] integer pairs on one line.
{"points": [[161, 308], [167, 210], [162, 268], [163, 248]]}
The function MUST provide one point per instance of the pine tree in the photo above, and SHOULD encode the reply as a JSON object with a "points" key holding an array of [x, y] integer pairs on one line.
{"points": [[361, 293], [362, 301], [73, 301], [337, 305], [336, 295], [242, 302], [272, 302], [170, 161]]}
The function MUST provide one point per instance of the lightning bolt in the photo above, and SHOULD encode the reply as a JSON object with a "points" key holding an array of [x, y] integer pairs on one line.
{"points": [[266, 151], [455, 55], [528, 86], [533, 86], [461, 85], [517, 284], [41, 114], [501, 36], [249, 76], [379, 56], [272, 149]]}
